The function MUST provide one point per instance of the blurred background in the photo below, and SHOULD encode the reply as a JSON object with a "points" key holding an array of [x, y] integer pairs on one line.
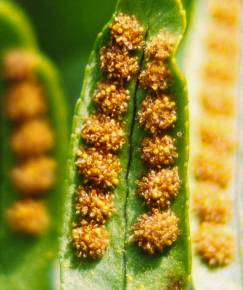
{"points": [[66, 31]]}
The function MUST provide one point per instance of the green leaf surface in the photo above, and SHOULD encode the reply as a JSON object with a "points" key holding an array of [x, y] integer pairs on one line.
{"points": [[96, 275], [26, 263], [173, 267], [188, 5], [123, 266]]}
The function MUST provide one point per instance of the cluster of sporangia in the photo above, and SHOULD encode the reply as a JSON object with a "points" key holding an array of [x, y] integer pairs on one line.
{"points": [[213, 171], [104, 136], [103, 133], [31, 141], [159, 228]]}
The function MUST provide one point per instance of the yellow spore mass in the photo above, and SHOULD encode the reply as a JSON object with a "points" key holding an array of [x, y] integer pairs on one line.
{"points": [[156, 77], [155, 231], [117, 64], [28, 217], [98, 167], [19, 65], [94, 204], [158, 188], [218, 101], [25, 100], [218, 133], [34, 176], [159, 150], [212, 167], [160, 47], [32, 138], [103, 132], [90, 241], [211, 204], [111, 98], [158, 113], [225, 12], [220, 43], [219, 70], [215, 245], [126, 31]]}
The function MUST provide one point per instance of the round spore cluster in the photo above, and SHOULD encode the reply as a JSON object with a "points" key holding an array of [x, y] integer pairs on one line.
{"points": [[158, 188], [211, 167], [94, 204], [211, 203], [156, 77], [157, 114], [34, 176], [215, 244], [160, 47], [218, 134], [126, 31], [90, 240], [28, 217], [100, 168], [24, 101], [117, 63], [103, 132], [112, 99], [19, 65], [33, 138], [159, 150], [155, 231]]}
